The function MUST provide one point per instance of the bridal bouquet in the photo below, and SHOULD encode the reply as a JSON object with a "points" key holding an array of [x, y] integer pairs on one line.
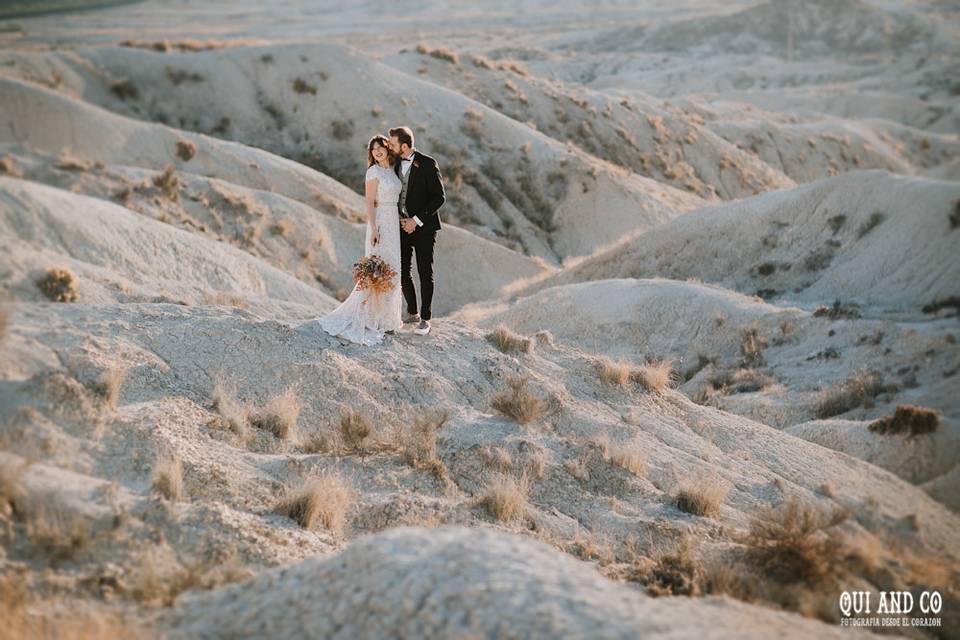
{"points": [[372, 274]]}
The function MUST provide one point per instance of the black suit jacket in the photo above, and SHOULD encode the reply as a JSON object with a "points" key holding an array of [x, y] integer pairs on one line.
{"points": [[425, 193]]}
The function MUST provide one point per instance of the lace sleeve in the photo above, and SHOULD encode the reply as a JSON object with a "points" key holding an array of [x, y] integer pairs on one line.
{"points": [[372, 173]]}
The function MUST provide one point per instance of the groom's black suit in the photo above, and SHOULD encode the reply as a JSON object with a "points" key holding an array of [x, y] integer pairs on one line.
{"points": [[424, 197]]}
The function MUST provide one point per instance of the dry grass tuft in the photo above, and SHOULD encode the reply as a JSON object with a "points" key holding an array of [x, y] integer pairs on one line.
{"points": [[418, 443], [793, 543], [168, 476], [440, 53], [655, 376], [497, 458], [505, 497], [517, 401], [186, 149], [107, 387], [25, 618], [323, 499], [908, 419], [701, 496], [161, 578], [509, 342], [55, 530], [613, 371], [168, 182], [234, 413], [355, 428], [279, 416], [9, 168], [875, 219], [12, 492], [849, 394], [59, 285], [69, 162], [752, 345], [4, 322], [630, 456]]}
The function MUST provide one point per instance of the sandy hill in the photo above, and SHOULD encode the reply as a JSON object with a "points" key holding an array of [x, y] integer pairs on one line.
{"points": [[508, 181], [870, 238], [694, 367], [654, 139], [583, 490], [298, 220], [422, 583], [820, 28], [714, 150]]}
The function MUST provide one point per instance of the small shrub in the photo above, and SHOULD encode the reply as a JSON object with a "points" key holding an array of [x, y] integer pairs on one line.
{"points": [[4, 323], [701, 497], [676, 573], [279, 416], [168, 477], [179, 76], [186, 149], [277, 114], [954, 216], [836, 223], [302, 86], [837, 311], [907, 419], [125, 90], [517, 401], [952, 302], [168, 182], [59, 285], [871, 223], [505, 497], [323, 499], [849, 394], [792, 543], [342, 129], [509, 342]]}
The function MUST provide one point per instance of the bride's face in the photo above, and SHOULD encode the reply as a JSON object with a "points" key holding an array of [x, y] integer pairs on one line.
{"points": [[379, 153]]}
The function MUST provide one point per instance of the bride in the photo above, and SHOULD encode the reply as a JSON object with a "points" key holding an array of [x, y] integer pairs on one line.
{"points": [[365, 316]]}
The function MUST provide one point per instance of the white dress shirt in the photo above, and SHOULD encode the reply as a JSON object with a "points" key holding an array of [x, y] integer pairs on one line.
{"points": [[405, 164]]}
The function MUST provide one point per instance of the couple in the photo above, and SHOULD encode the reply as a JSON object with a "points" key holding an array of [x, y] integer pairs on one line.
{"points": [[403, 195]]}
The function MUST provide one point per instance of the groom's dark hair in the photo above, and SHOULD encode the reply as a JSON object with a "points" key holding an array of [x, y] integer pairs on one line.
{"points": [[403, 134]]}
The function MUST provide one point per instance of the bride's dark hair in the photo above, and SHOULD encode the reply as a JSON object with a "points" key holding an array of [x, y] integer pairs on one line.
{"points": [[383, 143]]}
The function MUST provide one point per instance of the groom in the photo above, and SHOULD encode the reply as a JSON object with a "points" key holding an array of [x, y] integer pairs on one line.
{"points": [[421, 197]]}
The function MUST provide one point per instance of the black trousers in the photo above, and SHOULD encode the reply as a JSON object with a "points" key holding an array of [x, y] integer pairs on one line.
{"points": [[420, 241]]}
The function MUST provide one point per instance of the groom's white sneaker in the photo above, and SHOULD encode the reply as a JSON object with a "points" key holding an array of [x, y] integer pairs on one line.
{"points": [[423, 328]]}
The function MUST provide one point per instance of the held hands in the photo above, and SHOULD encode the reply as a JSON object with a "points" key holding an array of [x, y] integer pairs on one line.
{"points": [[409, 225]]}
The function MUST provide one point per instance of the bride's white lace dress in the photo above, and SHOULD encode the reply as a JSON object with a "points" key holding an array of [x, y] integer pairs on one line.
{"points": [[364, 317]]}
